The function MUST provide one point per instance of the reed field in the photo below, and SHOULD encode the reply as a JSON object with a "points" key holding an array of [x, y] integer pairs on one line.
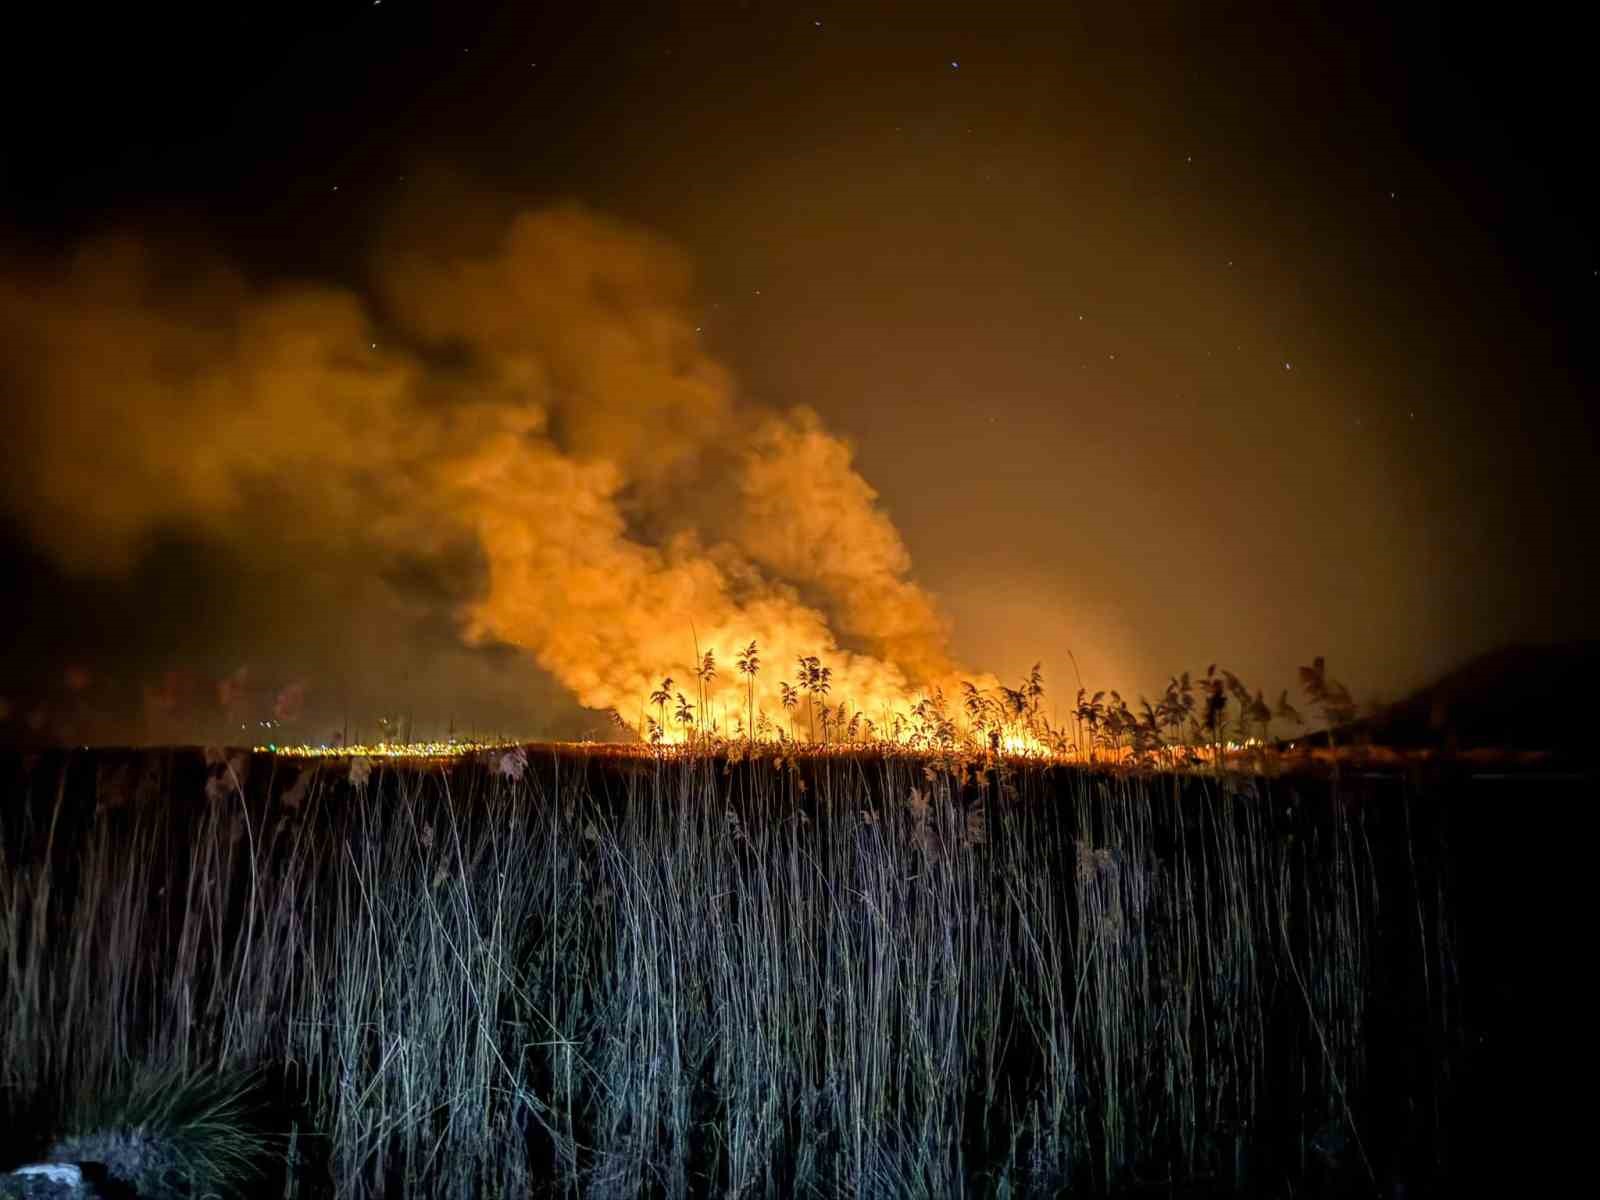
{"points": [[724, 970]]}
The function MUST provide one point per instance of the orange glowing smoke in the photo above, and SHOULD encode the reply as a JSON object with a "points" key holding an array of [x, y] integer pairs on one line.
{"points": [[542, 399]]}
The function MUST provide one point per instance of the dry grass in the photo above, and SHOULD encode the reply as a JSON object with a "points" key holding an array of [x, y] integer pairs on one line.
{"points": [[677, 974]]}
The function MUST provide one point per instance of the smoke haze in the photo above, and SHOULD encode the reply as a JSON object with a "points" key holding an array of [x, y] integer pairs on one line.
{"points": [[517, 445]]}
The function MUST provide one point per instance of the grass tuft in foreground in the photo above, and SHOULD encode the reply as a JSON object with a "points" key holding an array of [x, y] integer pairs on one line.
{"points": [[165, 1134]]}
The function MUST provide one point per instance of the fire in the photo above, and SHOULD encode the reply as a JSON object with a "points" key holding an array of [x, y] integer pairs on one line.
{"points": [[1024, 745], [542, 407], [385, 750]]}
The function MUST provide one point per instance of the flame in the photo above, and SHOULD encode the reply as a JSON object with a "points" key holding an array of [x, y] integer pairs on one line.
{"points": [[1015, 745], [1025, 745], [385, 750]]}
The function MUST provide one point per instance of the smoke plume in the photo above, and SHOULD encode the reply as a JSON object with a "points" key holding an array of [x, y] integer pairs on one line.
{"points": [[531, 417]]}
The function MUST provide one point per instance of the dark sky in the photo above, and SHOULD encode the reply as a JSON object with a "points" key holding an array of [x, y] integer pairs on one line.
{"points": [[1236, 333]]}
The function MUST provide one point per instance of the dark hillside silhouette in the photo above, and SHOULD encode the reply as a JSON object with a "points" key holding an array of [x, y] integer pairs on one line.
{"points": [[1519, 697]]}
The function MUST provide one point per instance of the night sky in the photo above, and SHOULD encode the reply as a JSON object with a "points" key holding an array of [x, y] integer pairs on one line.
{"points": [[1239, 333]]}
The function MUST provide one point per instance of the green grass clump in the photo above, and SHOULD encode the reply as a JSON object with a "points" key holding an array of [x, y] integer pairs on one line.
{"points": [[170, 1135]]}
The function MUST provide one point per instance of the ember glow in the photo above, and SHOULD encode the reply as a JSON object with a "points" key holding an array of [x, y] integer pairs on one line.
{"points": [[408, 751]]}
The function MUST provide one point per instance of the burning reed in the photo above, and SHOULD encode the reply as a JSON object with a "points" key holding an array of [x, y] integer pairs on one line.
{"points": [[811, 973]]}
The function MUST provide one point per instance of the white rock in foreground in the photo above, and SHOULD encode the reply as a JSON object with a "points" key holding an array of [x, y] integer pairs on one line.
{"points": [[60, 1172], [46, 1181]]}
